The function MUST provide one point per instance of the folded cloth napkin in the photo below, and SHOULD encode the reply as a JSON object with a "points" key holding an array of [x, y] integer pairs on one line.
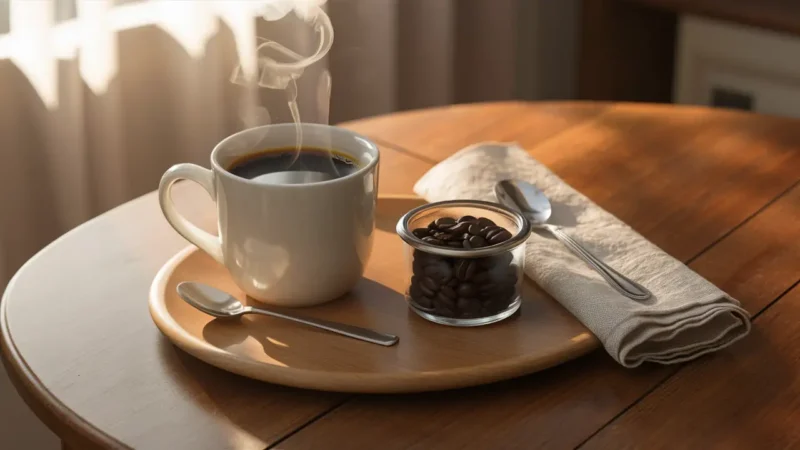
{"points": [[686, 317]]}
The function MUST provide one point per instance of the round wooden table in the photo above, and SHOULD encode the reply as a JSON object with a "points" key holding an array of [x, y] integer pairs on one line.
{"points": [[716, 189]]}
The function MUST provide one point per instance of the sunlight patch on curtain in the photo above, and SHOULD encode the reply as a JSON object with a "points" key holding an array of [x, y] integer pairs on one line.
{"points": [[36, 42]]}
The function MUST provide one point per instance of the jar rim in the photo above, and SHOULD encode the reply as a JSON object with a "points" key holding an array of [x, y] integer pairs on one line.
{"points": [[518, 238]]}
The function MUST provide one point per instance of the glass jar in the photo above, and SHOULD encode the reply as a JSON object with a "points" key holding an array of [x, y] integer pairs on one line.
{"points": [[464, 261]]}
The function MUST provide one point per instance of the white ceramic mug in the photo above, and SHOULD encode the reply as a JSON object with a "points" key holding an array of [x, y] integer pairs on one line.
{"points": [[285, 244]]}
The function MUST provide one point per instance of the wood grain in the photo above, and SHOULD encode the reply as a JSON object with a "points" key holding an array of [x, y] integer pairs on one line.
{"points": [[79, 342], [726, 393], [429, 357], [682, 180], [743, 398], [690, 155], [434, 134], [761, 259], [682, 177], [399, 171]]}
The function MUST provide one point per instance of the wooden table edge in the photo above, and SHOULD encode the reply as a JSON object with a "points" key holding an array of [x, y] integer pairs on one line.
{"points": [[73, 430]]}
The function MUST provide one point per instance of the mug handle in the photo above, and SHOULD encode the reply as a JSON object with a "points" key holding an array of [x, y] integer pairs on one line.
{"points": [[205, 241]]}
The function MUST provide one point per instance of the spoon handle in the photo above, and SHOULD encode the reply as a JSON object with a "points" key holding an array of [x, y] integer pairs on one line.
{"points": [[618, 281], [352, 331]]}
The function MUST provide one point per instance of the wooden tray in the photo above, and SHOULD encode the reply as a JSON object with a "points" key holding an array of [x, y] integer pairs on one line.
{"points": [[428, 356]]}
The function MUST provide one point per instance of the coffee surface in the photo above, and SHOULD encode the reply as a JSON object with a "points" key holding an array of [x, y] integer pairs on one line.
{"points": [[290, 166]]}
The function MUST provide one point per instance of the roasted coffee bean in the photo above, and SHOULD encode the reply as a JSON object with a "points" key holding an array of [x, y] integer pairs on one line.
{"points": [[484, 222], [512, 278], [497, 263], [466, 290], [505, 258], [425, 302], [459, 228], [426, 258], [465, 243], [465, 269], [421, 232], [475, 229], [477, 242], [491, 231], [432, 240], [439, 271], [506, 291], [480, 277], [430, 283], [467, 219], [499, 271], [491, 262], [426, 290], [444, 222], [414, 290], [442, 299], [444, 310], [500, 237], [491, 295], [492, 307], [455, 244], [486, 288], [453, 283], [465, 304], [448, 291], [443, 236]]}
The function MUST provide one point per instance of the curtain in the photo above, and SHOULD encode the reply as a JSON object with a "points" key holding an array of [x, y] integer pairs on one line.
{"points": [[99, 97]]}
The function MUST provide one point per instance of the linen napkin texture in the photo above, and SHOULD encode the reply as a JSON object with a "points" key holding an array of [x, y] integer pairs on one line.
{"points": [[686, 317]]}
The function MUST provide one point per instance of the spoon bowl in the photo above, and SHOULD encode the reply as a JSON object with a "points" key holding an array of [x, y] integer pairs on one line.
{"points": [[526, 198], [210, 300]]}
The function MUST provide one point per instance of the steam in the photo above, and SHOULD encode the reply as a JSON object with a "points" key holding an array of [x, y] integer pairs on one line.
{"points": [[279, 67], [324, 96]]}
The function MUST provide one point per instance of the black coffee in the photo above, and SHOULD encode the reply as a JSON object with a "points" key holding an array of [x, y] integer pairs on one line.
{"points": [[288, 166]]}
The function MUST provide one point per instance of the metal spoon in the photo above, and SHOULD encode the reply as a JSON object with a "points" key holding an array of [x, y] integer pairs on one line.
{"points": [[214, 302], [535, 206]]}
